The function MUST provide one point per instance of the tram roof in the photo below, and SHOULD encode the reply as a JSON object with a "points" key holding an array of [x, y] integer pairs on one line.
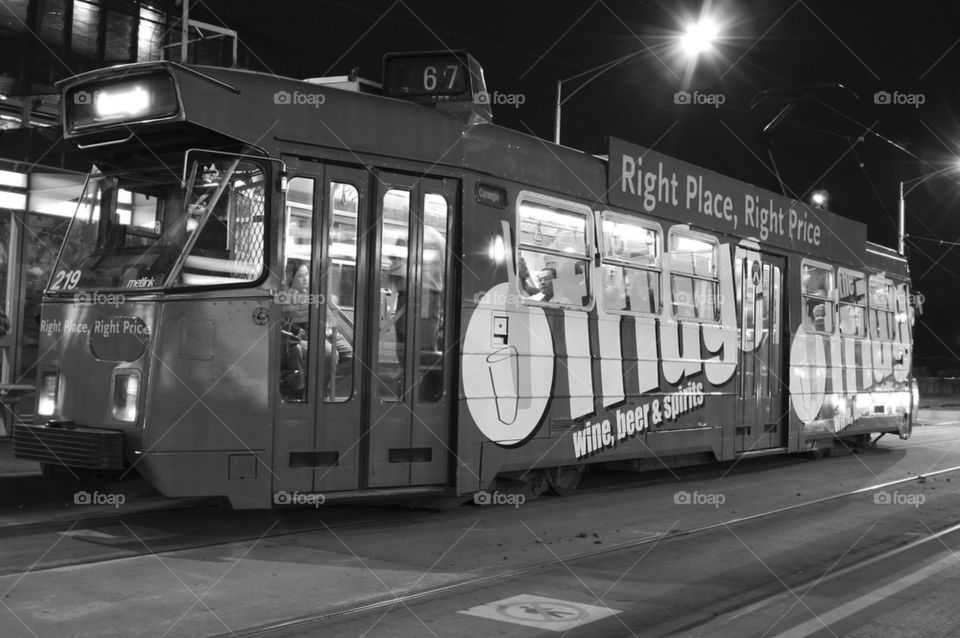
{"points": [[269, 111]]}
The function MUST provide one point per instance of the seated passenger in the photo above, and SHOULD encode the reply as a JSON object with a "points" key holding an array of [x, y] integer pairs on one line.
{"points": [[295, 330], [545, 282]]}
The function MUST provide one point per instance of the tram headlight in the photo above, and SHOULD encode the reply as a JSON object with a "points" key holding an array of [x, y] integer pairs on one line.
{"points": [[47, 395], [126, 395]]}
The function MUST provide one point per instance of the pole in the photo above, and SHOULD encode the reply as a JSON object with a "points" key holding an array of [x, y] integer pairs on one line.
{"points": [[901, 228], [556, 115], [184, 31], [600, 70]]}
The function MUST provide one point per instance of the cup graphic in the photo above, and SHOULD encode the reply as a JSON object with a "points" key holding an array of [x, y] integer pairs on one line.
{"points": [[505, 378]]}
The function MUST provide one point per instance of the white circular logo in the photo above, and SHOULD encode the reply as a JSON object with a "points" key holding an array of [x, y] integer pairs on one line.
{"points": [[808, 374], [507, 366]]}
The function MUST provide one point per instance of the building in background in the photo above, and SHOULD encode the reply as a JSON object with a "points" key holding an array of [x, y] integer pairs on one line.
{"points": [[41, 178]]}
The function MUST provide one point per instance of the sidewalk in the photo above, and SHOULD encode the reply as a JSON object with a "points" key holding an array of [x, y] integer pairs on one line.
{"points": [[940, 402], [10, 466]]}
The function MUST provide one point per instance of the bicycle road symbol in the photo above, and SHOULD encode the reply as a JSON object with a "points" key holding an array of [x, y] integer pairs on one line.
{"points": [[536, 611]]}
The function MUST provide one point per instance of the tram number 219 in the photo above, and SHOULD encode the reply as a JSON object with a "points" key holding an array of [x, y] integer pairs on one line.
{"points": [[65, 280]]}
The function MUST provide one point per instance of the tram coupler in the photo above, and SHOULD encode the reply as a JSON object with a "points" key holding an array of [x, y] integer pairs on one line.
{"points": [[906, 429]]}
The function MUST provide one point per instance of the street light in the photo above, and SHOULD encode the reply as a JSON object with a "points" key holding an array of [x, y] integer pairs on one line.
{"points": [[820, 199], [697, 38], [916, 181]]}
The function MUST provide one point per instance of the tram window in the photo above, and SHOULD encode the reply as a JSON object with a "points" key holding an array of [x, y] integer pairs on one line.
{"points": [[694, 284], [817, 285], [553, 264], [631, 265], [226, 210], [903, 316], [297, 309], [340, 273], [142, 216], [852, 304], [882, 316], [394, 303], [434, 274]]}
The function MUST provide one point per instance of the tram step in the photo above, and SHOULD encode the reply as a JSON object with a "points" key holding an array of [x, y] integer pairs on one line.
{"points": [[773, 451]]}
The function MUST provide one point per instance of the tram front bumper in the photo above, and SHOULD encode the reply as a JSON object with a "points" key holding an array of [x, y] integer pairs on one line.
{"points": [[70, 446]]}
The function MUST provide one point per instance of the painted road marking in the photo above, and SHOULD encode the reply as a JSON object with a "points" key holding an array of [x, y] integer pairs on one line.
{"points": [[540, 612], [879, 595], [89, 533]]}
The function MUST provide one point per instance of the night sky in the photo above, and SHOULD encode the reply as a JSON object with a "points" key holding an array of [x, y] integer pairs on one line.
{"points": [[843, 141]]}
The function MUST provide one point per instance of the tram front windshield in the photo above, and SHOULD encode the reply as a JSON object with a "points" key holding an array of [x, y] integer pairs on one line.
{"points": [[143, 230]]}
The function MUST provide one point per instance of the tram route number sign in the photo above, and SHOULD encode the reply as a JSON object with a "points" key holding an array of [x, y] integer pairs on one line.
{"points": [[540, 612], [434, 76]]}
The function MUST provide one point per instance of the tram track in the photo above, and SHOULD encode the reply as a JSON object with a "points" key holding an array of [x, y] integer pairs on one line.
{"points": [[388, 602], [160, 507], [178, 509], [129, 523]]}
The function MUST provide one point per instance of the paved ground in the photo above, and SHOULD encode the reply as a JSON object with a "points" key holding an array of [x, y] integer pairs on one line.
{"points": [[181, 575]]}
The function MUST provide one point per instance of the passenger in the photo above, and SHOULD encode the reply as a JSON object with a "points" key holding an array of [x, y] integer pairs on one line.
{"points": [[545, 281], [295, 324], [820, 317], [340, 343], [614, 297], [526, 284], [296, 309]]}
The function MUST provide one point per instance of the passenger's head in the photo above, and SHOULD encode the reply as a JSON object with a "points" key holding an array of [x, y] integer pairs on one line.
{"points": [[297, 274], [545, 281]]}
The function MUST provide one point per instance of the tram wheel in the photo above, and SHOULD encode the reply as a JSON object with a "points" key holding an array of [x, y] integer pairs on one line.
{"points": [[537, 483], [564, 480]]}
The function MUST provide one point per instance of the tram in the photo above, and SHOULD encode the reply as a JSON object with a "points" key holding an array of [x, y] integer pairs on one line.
{"points": [[284, 292]]}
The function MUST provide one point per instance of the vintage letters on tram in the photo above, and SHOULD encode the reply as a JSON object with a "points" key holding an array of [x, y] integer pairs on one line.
{"points": [[526, 366]]}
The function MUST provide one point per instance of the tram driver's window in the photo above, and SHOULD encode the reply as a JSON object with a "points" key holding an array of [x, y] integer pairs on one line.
{"points": [[694, 283], [852, 303], [553, 265], [226, 213], [631, 265], [817, 286]]}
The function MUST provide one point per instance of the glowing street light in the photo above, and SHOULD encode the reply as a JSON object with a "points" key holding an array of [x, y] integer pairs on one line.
{"points": [[820, 199], [697, 38], [916, 181]]}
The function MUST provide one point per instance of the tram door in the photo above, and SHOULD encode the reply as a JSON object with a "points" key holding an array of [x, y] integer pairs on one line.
{"points": [[411, 367], [763, 374], [318, 316]]}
